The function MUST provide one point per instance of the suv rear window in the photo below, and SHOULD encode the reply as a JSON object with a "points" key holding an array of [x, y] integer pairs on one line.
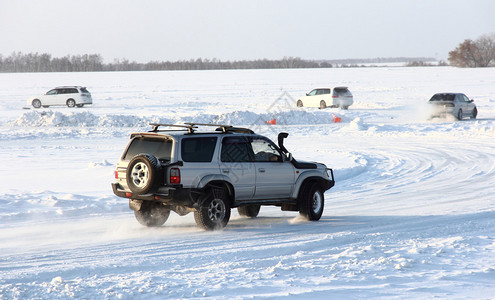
{"points": [[198, 149], [443, 97], [340, 91], [84, 90], [161, 148]]}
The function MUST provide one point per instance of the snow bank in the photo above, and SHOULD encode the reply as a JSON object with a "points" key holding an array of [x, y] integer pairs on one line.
{"points": [[89, 119]]}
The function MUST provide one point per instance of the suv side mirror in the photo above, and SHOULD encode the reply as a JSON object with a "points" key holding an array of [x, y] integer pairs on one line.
{"points": [[288, 156], [471, 101]]}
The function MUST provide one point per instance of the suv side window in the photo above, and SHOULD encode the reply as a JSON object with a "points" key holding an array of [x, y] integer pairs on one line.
{"points": [[264, 151], [236, 149], [198, 149], [52, 92], [313, 92]]}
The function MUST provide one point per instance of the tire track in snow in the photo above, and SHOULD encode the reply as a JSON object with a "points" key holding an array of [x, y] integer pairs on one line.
{"points": [[410, 178]]}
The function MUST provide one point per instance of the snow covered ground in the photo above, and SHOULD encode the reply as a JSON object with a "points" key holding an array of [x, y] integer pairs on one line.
{"points": [[412, 214]]}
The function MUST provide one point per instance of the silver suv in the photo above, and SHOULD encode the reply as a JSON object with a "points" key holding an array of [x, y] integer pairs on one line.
{"points": [[210, 172]]}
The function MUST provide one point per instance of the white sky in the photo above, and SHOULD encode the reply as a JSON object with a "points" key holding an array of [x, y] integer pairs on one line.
{"points": [[144, 30]]}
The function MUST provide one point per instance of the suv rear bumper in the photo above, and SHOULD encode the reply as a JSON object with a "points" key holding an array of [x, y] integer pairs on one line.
{"points": [[167, 195]]}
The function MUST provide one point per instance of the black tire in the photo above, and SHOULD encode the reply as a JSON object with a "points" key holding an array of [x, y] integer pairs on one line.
{"points": [[312, 202], [214, 211], [299, 103], [80, 105], [152, 215], [475, 113], [71, 103], [345, 107], [45, 106], [459, 114], [144, 174], [250, 211], [36, 103], [323, 104]]}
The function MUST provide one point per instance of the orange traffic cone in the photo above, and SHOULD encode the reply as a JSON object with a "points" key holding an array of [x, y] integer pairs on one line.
{"points": [[336, 119], [271, 122]]}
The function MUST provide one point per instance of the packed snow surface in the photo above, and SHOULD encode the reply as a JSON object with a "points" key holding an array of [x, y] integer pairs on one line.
{"points": [[412, 214]]}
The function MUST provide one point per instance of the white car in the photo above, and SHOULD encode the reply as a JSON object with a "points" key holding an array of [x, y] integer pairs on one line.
{"points": [[327, 97], [71, 96]]}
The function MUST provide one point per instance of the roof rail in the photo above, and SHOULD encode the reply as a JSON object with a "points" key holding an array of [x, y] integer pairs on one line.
{"points": [[224, 128], [192, 126]]}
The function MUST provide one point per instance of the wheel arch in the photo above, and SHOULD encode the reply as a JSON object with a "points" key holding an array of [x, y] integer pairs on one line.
{"points": [[302, 183], [222, 184]]}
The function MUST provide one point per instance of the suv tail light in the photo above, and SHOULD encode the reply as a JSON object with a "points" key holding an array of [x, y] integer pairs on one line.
{"points": [[174, 176], [116, 174]]}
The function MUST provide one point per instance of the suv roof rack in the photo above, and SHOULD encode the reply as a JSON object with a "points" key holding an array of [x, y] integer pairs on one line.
{"points": [[192, 126]]}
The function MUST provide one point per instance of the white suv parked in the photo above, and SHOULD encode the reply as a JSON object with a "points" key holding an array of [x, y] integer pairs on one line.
{"points": [[63, 95], [327, 97], [210, 172]]}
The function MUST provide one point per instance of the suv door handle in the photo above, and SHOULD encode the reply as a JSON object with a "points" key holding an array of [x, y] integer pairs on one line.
{"points": [[261, 170], [226, 171]]}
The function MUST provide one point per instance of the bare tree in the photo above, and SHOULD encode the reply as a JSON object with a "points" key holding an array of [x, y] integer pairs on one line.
{"points": [[474, 54]]}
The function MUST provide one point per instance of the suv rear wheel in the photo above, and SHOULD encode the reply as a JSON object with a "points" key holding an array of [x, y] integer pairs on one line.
{"points": [[251, 211], [214, 212], [312, 202], [143, 173], [71, 103], [152, 215]]}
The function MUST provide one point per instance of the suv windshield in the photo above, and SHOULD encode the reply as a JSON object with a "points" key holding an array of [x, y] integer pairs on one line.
{"points": [[161, 148]]}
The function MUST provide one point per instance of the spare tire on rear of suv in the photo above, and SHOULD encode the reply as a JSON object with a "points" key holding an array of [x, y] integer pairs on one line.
{"points": [[144, 174]]}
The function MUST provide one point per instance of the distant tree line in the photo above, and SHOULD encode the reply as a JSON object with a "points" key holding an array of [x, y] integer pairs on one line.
{"points": [[479, 53], [35, 62]]}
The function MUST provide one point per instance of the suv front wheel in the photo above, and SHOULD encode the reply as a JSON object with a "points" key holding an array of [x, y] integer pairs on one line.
{"points": [[312, 202], [214, 212]]}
